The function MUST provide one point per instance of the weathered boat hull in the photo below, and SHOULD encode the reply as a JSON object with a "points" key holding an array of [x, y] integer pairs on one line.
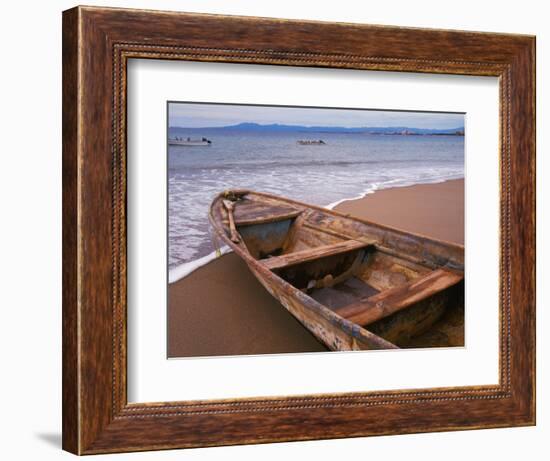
{"points": [[354, 284]]}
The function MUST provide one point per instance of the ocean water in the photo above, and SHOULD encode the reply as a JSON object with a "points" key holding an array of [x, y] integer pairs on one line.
{"points": [[348, 166]]}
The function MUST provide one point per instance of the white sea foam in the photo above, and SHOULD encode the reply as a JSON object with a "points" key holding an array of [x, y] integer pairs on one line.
{"points": [[370, 190], [183, 270], [394, 183]]}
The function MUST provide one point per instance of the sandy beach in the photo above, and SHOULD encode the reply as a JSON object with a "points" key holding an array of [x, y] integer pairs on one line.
{"points": [[434, 210], [221, 309]]}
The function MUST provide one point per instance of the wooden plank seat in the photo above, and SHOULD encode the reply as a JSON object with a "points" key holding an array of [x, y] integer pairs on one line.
{"points": [[385, 303], [290, 259], [249, 212]]}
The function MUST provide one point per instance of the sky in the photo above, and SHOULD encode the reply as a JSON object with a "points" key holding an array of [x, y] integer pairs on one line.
{"points": [[196, 115]]}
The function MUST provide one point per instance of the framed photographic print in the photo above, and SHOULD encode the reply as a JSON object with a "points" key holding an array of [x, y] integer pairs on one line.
{"points": [[284, 230], [331, 259]]}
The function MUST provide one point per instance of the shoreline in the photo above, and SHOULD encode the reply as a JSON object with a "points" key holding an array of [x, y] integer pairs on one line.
{"points": [[333, 205], [183, 270], [220, 308]]}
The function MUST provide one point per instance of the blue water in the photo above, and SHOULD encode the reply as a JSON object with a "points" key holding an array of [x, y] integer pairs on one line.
{"points": [[348, 166]]}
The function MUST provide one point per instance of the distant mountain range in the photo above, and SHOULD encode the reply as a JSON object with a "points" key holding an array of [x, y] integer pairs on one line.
{"points": [[276, 127]]}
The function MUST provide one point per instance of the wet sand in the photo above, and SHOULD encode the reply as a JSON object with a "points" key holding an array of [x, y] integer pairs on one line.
{"points": [[221, 309]]}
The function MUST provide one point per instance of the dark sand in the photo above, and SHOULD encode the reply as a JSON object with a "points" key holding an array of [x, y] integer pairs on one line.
{"points": [[221, 309]]}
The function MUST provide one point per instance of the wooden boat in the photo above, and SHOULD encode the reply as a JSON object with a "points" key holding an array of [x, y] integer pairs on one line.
{"points": [[353, 284]]}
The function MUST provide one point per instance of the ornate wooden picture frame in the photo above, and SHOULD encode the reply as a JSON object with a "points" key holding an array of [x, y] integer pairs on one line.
{"points": [[97, 44]]}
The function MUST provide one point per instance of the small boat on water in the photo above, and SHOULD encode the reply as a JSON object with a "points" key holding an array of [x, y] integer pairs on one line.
{"points": [[352, 283], [189, 142], [311, 142]]}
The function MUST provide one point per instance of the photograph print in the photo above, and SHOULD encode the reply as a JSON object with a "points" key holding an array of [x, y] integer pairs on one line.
{"points": [[313, 229]]}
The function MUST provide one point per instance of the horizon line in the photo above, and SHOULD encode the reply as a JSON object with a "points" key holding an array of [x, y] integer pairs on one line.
{"points": [[314, 126]]}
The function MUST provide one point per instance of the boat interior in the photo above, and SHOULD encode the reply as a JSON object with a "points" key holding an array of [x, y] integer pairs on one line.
{"points": [[359, 272]]}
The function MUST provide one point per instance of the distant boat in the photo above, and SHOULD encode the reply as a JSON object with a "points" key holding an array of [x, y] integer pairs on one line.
{"points": [[189, 142], [311, 142]]}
